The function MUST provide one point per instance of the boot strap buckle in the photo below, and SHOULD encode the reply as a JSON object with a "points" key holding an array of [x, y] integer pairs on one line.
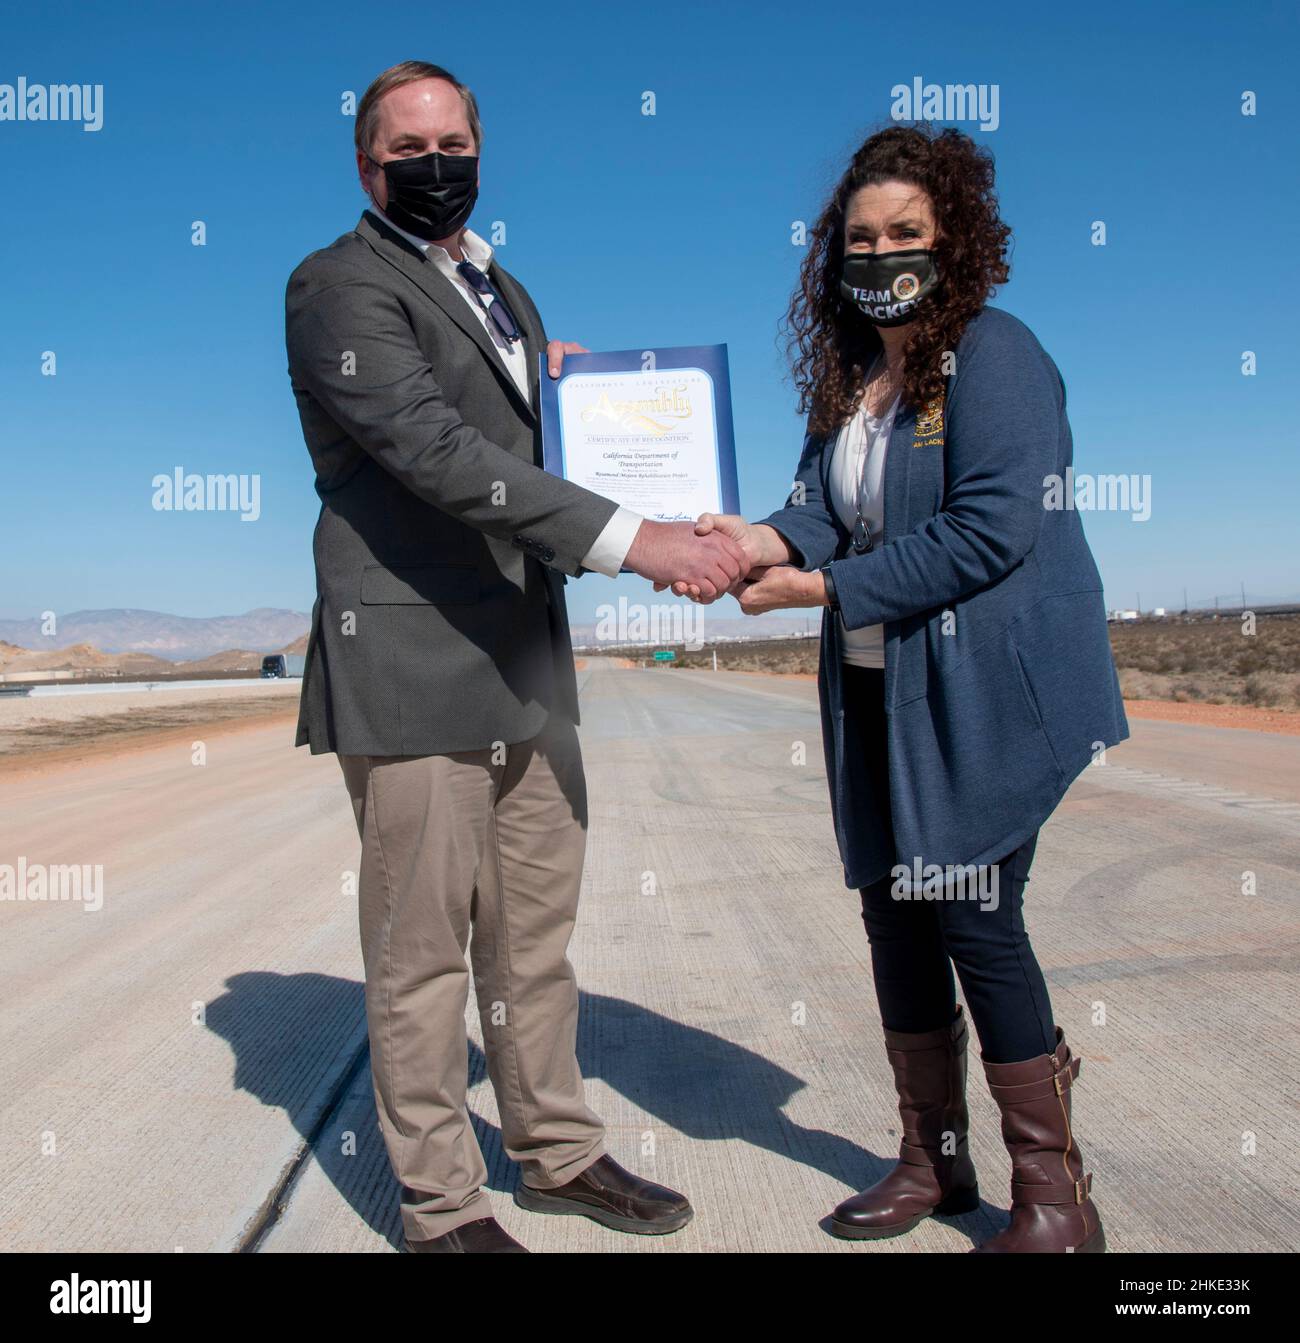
{"points": [[1062, 1077], [1076, 1192]]}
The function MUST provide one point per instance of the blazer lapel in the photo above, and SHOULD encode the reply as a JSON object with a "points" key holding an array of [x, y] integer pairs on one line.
{"points": [[523, 312], [418, 268], [898, 470]]}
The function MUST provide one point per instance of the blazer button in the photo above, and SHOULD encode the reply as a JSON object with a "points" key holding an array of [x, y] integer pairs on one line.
{"points": [[518, 542]]}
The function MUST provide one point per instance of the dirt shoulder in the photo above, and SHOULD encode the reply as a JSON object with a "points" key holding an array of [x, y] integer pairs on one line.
{"points": [[1216, 715], [58, 731]]}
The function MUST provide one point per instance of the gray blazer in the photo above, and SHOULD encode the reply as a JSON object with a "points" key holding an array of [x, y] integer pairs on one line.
{"points": [[439, 623]]}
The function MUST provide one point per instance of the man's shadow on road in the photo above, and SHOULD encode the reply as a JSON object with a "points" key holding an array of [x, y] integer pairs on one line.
{"points": [[287, 1030]]}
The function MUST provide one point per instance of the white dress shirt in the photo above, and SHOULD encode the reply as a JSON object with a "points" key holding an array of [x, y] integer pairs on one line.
{"points": [[610, 548], [857, 481]]}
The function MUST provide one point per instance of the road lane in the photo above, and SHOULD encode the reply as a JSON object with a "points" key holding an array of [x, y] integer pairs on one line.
{"points": [[162, 1057], [729, 1034]]}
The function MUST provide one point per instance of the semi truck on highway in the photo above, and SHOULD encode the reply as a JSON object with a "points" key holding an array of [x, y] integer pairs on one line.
{"points": [[283, 664]]}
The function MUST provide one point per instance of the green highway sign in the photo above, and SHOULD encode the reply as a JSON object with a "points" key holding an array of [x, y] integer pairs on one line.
{"points": [[665, 655]]}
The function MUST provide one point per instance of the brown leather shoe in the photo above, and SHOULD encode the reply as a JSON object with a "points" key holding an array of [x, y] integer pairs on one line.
{"points": [[1051, 1207], [614, 1197], [934, 1173], [485, 1236]]}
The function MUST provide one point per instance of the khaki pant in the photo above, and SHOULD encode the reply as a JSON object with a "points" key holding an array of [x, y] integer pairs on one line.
{"points": [[493, 841]]}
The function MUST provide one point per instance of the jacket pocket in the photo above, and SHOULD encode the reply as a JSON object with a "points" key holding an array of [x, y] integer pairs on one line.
{"points": [[419, 585], [1030, 699], [970, 763]]}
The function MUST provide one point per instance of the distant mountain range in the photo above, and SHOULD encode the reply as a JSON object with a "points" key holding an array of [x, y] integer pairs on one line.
{"points": [[144, 642], [172, 638]]}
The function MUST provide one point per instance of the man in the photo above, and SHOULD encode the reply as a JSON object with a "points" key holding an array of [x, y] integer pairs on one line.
{"points": [[439, 669]]}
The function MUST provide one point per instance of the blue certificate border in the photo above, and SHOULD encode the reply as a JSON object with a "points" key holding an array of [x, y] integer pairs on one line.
{"points": [[710, 359]]}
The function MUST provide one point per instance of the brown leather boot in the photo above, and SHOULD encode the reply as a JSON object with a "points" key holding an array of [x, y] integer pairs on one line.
{"points": [[1051, 1211], [934, 1173]]}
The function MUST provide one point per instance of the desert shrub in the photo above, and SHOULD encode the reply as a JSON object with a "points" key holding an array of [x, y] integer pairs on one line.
{"points": [[1266, 689]]}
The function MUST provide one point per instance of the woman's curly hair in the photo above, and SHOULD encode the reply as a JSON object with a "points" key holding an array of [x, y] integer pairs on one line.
{"points": [[831, 344]]}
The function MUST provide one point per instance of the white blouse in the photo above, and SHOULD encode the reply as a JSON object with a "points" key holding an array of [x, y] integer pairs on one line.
{"points": [[857, 481]]}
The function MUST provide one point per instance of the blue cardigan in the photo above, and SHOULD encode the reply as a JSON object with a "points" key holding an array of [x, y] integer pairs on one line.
{"points": [[999, 681]]}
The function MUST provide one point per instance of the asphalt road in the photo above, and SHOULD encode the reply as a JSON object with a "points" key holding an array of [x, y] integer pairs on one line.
{"points": [[185, 1068]]}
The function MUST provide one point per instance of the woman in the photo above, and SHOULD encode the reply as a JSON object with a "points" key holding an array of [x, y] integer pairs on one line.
{"points": [[966, 675]]}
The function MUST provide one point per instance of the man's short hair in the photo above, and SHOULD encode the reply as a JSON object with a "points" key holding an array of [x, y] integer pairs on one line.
{"points": [[409, 72]]}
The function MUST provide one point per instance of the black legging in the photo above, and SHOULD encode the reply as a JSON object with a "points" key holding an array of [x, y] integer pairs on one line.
{"points": [[915, 943]]}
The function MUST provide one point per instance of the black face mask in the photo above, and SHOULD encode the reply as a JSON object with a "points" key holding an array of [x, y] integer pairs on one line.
{"points": [[887, 286], [431, 196]]}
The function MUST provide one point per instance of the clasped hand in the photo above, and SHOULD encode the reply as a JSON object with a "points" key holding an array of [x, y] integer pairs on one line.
{"points": [[767, 581]]}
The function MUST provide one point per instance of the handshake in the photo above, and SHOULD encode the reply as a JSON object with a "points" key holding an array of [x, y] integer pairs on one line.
{"points": [[722, 553]]}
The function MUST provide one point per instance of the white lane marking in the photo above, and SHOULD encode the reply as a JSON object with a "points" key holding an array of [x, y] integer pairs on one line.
{"points": [[1145, 780]]}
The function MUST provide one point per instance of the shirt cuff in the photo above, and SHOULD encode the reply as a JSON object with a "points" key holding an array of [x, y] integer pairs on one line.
{"points": [[610, 548]]}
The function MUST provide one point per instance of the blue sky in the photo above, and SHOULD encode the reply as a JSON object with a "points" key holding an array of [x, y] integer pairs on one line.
{"points": [[632, 231]]}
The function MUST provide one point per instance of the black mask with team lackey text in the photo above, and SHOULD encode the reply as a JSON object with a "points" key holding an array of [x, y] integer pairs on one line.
{"points": [[433, 195], [886, 287]]}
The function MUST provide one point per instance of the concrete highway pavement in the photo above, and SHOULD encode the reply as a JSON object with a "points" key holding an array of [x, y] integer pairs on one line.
{"points": [[187, 1067]]}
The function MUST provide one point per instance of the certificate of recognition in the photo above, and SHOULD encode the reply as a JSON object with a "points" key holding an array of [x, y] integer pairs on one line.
{"points": [[650, 429]]}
